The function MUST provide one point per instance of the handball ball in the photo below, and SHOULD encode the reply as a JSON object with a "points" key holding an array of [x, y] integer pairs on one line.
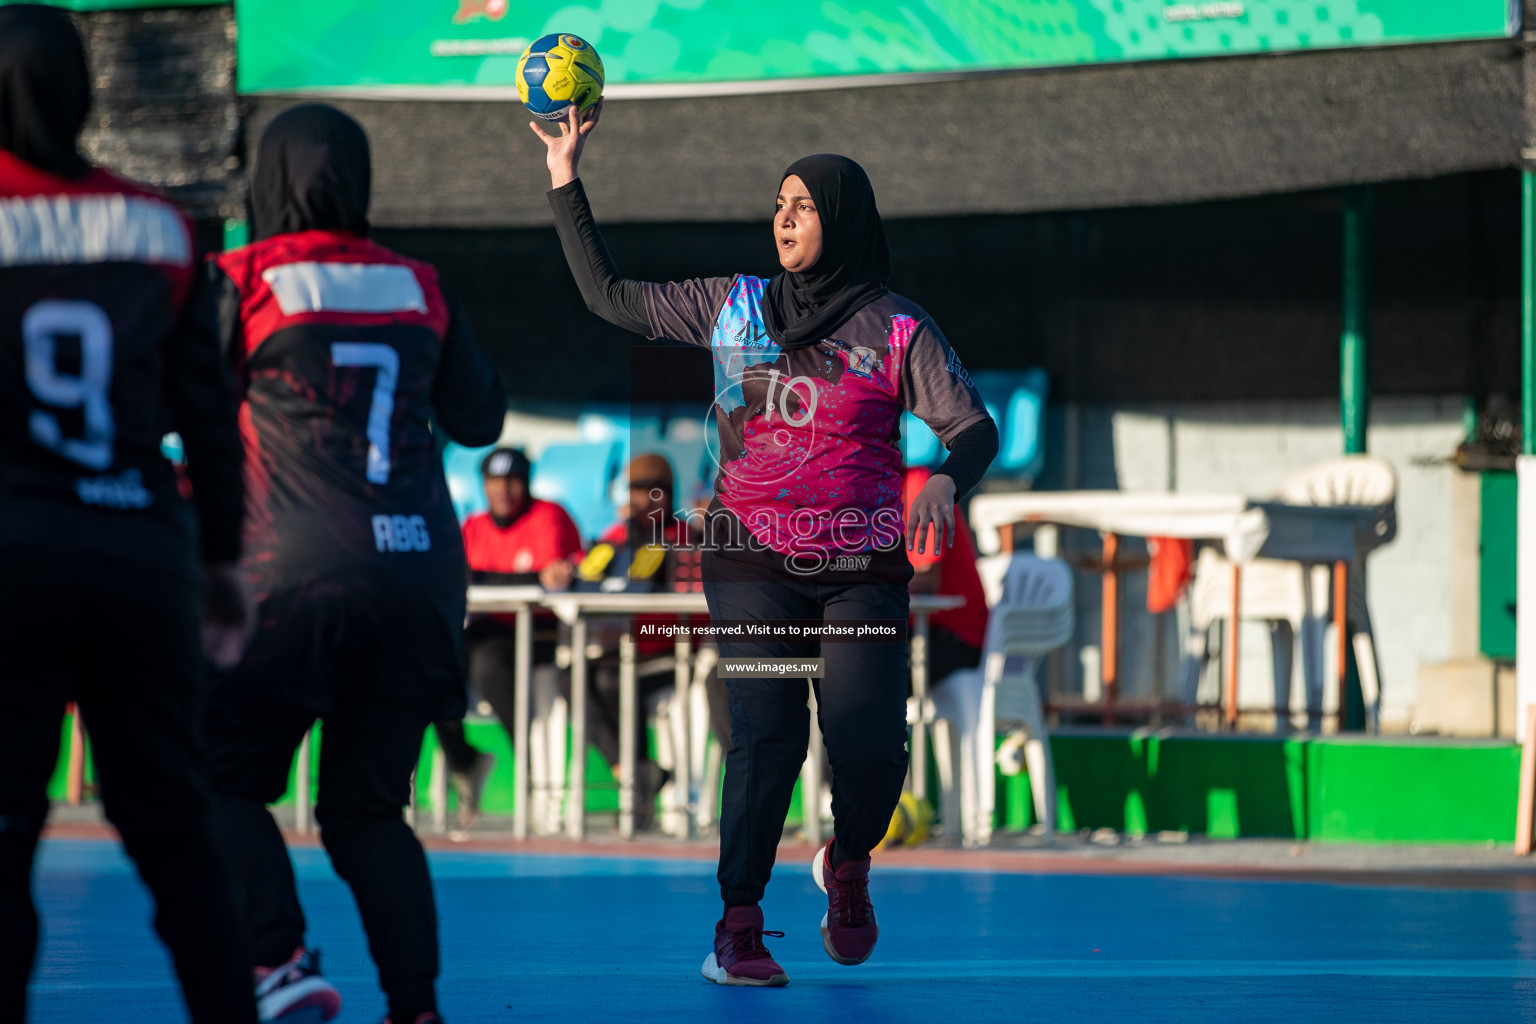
{"points": [[910, 822], [556, 71]]}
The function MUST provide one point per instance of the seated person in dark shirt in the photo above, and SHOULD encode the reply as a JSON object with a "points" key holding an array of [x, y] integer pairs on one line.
{"points": [[519, 540]]}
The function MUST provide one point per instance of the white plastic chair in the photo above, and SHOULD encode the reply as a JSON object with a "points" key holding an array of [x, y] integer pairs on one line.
{"points": [[1296, 598], [1033, 616]]}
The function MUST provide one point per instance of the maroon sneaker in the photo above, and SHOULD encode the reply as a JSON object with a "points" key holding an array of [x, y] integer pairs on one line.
{"points": [[296, 991], [848, 929], [740, 958]]}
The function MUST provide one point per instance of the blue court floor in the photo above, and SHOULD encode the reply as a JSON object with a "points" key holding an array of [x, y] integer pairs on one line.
{"points": [[538, 937]]}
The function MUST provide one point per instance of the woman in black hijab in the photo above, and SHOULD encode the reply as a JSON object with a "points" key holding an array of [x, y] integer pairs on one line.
{"points": [[313, 173], [813, 371], [45, 92], [802, 306]]}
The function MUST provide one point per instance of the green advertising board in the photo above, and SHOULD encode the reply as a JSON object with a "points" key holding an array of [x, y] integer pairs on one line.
{"points": [[119, 5], [700, 45]]}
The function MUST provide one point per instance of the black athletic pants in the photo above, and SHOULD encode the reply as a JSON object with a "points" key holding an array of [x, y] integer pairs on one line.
{"points": [[862, 715], [361, 664], [127, 648]]}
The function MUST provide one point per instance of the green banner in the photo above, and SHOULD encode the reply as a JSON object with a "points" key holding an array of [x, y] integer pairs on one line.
{"points": [[119, 5], [426, 45]]}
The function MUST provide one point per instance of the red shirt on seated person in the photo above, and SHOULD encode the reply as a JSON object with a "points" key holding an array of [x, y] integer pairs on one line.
{"points": [[521, 539]]}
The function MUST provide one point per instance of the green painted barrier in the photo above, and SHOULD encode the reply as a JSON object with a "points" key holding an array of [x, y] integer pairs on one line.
{"points": [[1364, 790], [1424, 791], [1336, 789], [1224, 788]]}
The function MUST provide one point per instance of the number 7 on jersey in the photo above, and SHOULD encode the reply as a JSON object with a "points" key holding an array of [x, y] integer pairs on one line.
{"points": [[387, 361]]}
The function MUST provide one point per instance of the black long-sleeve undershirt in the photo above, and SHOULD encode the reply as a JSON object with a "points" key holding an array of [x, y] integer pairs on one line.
{"points": [[616, 299], [970, 453]]}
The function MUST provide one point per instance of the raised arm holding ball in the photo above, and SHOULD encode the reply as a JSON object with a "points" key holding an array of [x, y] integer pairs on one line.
{"points": [[813, 370]]}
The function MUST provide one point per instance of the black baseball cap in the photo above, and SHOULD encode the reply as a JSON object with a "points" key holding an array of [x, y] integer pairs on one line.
{"points": [[506, 462]]}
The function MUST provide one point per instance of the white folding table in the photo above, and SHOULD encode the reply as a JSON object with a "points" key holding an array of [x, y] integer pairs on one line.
{"points": [[577, 609]]}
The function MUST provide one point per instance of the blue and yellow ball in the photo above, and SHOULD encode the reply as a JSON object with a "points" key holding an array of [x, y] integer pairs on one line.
{"points": [[557, 70]]}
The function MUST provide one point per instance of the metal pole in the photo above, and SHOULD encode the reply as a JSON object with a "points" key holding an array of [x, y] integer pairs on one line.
{"points": [[237, 232], [301, 818], [1528, 312], [1354, 341], [1525, 466], [521, 698], [628, 688], [1234, 633], [917, 768], [683, 782], [576, 776], [1110, 628]]}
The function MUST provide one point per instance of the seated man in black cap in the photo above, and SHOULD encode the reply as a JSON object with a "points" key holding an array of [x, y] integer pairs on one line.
{"points": [[519, 540]]}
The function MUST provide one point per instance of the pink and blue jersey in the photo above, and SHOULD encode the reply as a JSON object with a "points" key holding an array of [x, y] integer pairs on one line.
{"points": [[810, 457]]}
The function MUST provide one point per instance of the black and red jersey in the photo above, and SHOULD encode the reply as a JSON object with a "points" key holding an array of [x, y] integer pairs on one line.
{"points": [[344, 353], [104, 348]]}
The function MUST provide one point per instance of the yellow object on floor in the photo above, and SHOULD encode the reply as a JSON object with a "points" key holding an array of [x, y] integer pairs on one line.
{"points": [[910, 822]]}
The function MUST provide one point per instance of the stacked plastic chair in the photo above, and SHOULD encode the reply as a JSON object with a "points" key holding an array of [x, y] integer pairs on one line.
{"points": [[1295, 598], [1033, 616]]}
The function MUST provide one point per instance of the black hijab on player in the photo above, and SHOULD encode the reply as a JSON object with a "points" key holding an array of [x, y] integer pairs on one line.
{"points": [[45, 90], [313, 173], [801, 309]]}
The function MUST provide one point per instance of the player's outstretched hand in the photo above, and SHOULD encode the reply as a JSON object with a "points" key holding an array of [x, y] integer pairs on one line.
{"points": [[226, 615], [563, 152], [934, 506]]}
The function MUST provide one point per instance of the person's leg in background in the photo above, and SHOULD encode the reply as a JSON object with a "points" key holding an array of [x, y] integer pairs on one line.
{"points": [[39, 670], [603, 709], [603, 729], [462, 757], [491, 650], [468, 769], [138, 696], [650, 776]]}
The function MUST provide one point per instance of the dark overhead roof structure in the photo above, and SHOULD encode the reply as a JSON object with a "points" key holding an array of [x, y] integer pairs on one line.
{"points": [[1015, 142]]}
